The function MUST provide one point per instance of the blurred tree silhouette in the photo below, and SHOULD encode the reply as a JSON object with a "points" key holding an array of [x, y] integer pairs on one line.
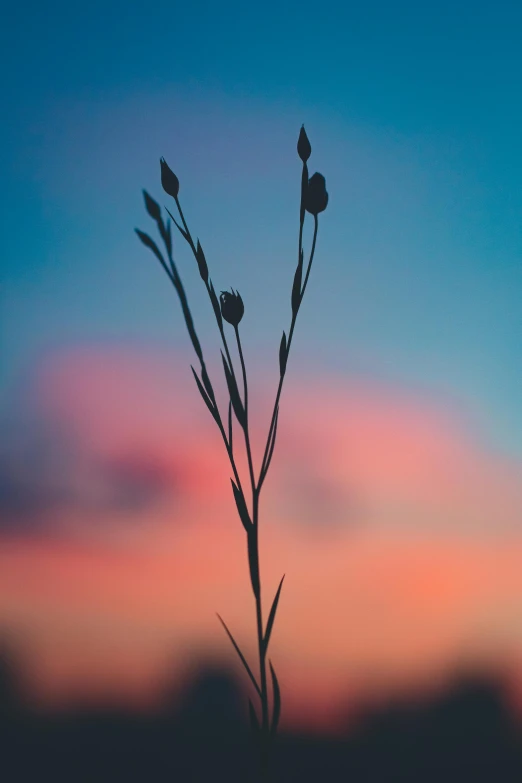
{"points": [[10, 697], [465, 733]]}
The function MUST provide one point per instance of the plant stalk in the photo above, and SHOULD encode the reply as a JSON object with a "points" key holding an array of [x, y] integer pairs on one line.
{"points": [[264, 466], [265, 727], [268, 726]]}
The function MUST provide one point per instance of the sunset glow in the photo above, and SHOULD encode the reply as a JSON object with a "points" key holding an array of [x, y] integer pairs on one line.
{"points": [[395, 526]]}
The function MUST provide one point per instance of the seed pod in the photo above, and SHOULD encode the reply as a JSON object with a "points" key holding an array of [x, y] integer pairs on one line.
{"points": [[316, 198], [232, 307], [169, 181], [304, 150]]}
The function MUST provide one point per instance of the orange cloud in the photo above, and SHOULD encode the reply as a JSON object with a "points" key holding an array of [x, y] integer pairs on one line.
{"points": [[397, 529]]}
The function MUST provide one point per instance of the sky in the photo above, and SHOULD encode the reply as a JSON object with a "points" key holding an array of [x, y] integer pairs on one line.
{"points": [[413, 113], [405, 370]]}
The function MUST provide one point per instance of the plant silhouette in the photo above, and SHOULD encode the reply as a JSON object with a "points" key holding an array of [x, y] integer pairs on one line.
{"points": [[466, 732], [230, 308]]}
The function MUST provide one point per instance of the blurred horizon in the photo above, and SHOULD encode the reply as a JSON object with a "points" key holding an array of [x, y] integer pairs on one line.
{"points": [[391, 516], [408, 738]]}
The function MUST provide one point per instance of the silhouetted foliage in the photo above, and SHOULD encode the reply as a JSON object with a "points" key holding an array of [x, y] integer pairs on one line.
{"points": [[231, 308], [465, 734], [10, 701]]}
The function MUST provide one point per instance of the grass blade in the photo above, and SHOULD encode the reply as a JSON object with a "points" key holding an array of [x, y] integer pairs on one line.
{"points": [[180, 229], [207, 384], [253, 561], [271, 616], [230, 424], [233, 391], [202, 262], [283, 355], [150, 243], [190, 325], [271, 447], [168, 237], [203, 393], [215, 305], [165, 234], [304, 188], [277, 702], [241, 507], [242, 657], [296, 287]]}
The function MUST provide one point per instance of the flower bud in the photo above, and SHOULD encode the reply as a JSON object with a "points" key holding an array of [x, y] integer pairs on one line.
{"points": [[232, 307], [304, 150], [316, 198], [152, 207], [169, 181]]}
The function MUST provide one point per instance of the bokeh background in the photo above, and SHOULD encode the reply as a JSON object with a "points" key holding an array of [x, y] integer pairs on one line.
{"points": [[394, 501]]}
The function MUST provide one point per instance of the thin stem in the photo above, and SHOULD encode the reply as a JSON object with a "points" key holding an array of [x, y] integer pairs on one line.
{"points": [[230, 455], [259, 608], [252, 526], [262, 652], [182, 216], [167, 270], [314, 239], [256, 488], [224, 339], [265, 729], [264, 467], [178, 285], [246, 430], [207, 286]]}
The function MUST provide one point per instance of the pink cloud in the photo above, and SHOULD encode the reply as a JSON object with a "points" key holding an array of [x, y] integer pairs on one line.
{"points": [[397, 529]]}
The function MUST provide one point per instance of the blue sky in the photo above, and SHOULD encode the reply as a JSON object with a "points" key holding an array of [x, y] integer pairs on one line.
{"points": [[415, 118]]}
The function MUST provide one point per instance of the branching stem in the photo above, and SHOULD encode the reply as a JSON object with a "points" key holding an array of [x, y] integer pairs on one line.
{"points": [[268, 725]]}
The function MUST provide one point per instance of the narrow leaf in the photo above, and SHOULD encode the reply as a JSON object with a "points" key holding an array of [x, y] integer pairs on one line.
{"points": [[242, 657], [152, 207], [215, 305], [241, 507], [272, 438], [148, 242], [274, 432], [253, 561], [296, 287], [166, 234], [235, 399], [304, 189], [271, 616], [207, 384], [188, 320], [202, 262], [163, 231], [230, 425], [203, 393], [277, 702], [180, 228], [283, 355]]}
